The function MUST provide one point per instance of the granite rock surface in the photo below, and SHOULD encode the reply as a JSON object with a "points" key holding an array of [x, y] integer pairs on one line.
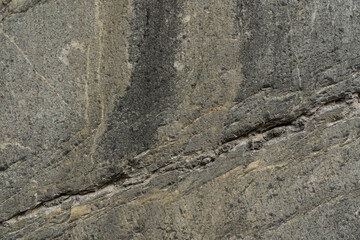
{"points": [[177, 119]]}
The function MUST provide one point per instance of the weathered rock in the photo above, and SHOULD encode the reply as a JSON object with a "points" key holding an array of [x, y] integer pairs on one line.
{"points": [[176, 119]]}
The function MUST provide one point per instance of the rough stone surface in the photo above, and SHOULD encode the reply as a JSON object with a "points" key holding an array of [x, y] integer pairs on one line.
{"points": [[178, 119]]}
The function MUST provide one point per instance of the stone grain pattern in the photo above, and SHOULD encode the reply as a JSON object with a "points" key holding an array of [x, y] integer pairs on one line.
{"points": [[177, 119]]}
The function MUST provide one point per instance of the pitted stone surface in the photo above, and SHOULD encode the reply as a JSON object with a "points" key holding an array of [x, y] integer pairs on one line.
{"points": [[177, 119]]}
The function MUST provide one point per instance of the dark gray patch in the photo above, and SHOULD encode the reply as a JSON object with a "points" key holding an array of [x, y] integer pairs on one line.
{"points": [[136, 116], [265, 53]]}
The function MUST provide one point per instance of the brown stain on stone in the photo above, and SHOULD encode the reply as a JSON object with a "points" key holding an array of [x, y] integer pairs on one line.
{"points": [[252, 166], [79, 211], [53, 213]]}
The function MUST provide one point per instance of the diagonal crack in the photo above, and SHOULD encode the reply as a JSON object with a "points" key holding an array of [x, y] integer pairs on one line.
{"points": [[110, 181], [352, 193], [10, 7], [11, 39], [199, 162], [293, 120]]}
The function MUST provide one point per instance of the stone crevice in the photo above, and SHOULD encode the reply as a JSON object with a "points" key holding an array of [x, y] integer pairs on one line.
{"points": [[274, 123], [254, 141]]}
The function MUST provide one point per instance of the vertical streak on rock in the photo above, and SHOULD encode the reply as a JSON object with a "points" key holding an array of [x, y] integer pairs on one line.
{"points": [[132, 126], [86, 85], [99, 31], [291, 33]]}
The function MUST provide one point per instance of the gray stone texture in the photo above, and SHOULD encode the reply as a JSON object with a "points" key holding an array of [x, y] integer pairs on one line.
{"points": [[179, 119]]}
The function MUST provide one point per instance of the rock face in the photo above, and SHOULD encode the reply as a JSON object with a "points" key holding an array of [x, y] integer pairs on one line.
{"points": [[177, 119]]}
